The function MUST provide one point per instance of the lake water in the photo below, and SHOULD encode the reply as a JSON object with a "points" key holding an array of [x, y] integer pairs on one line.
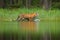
{"points": [[41, 27], [37, 26]]}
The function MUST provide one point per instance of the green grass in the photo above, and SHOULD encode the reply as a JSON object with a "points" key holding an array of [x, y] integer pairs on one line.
{"points": [[8, 14], [50, 18]]}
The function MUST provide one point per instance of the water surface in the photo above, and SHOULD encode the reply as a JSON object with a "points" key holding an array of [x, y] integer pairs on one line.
{"points": [[41, 26]]}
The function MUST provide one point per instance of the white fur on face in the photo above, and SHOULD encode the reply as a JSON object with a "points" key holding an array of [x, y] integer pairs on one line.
{"points": [[36, 20]]}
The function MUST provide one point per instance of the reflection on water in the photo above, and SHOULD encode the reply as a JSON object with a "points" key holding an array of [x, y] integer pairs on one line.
{"points": [[29, 26], [47, 30]]}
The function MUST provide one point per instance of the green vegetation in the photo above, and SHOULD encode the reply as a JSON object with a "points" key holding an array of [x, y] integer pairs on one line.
{"points": [[49, 15], [50, 22], [11, 14]]}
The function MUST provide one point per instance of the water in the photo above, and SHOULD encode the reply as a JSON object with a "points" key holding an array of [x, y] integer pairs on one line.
{"points": [[42, 30]]}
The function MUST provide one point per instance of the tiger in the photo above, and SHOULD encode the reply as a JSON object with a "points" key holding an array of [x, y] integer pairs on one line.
{"points": [[27, 17]]}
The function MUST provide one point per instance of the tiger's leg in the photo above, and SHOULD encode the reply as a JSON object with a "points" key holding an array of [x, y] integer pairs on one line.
{"points": [[26, 19], [20, 18], [30, 19]]}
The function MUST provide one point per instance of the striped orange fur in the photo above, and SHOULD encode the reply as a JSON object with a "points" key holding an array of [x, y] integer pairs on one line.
{"points": [[29, 16]]}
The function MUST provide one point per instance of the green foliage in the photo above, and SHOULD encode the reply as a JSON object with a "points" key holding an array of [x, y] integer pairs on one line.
{"points": [[13, 13], [33, 3], [8, 27], [56, 5]]}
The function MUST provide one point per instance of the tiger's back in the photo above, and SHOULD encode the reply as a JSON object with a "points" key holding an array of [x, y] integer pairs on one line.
{"points": [[29, 16]]}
